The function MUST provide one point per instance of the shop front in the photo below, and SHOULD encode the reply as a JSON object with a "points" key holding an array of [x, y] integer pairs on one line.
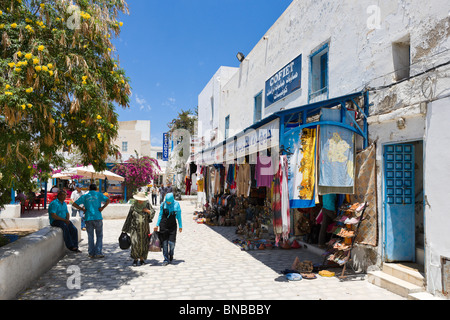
{"points": [[304, 175]]}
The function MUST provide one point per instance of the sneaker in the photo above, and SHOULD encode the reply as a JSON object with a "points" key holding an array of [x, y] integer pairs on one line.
{"points": [[99, 256], [142, 263], [165, 263], [134, 263], [170, 258]]}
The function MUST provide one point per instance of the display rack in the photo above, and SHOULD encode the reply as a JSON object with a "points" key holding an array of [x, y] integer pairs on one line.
{"points": [[340, 247]]}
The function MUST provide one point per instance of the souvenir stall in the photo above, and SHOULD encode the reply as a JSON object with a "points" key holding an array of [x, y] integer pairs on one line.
{"points": [[326, 144]]}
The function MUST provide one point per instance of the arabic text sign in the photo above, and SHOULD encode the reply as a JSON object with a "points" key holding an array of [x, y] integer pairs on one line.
{"points": [[284, 82]]}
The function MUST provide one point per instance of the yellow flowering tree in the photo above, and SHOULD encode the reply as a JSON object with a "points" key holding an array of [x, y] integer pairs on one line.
{"points": [[60, 84]]}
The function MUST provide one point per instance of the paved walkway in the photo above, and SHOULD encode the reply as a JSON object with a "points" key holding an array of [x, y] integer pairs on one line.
{"points": [[206, 266]]}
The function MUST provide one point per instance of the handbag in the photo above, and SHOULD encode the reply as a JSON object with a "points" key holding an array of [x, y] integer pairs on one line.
{"points": [[124, 241], [155, 243]]}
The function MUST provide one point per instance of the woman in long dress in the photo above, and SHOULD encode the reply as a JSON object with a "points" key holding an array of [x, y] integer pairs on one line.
{"points": [[137, 225]]}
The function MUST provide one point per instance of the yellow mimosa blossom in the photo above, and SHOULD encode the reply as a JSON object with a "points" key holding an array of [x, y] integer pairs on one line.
{"points": [[52, 121], [42, 5], [23, 107], [99, 117], [18, 69], [28, 20], [41, 48], [35, 61], [50, 72], [2, 26], [14, 25], [44, 68], [7, 86], [111, 126], [8, 93], [38, 68], [50, 66], [29, 90], [121, 24], [11, 64], [29, 105], [28, 56], [20, 54]]}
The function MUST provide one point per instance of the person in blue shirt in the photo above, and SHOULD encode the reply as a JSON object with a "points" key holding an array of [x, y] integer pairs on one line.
{"points": [[59, 217], [92, 202], [169, 214], [329, 214]]}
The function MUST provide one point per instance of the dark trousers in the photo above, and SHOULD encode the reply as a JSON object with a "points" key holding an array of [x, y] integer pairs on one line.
{"points": [[154, 199], [328, 218], [70, 233]]}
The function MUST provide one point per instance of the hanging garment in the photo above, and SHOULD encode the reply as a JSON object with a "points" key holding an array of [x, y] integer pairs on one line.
{"points": [[264, 171], [280, 202], [337, 155], [243, 180], [366, 191], [302, 167], [188, 183]]}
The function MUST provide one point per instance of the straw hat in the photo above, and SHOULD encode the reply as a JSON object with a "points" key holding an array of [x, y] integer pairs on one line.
{"points": [[140, 196]]}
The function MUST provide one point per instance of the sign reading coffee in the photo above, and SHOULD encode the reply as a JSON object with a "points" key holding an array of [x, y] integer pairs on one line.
{"points": [[284, 82]]}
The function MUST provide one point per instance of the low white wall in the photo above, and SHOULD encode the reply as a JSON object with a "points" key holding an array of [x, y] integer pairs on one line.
{"points": [[28, 258], [10, 211]]}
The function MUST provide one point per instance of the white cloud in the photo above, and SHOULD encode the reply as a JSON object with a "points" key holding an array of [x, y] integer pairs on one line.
{"points": [[142, 103]]}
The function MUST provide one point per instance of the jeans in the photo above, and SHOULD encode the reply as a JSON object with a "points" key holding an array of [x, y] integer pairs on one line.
{"points": [[81, 214], [95, 247], [154, 199], [168, 249], [70, 234]]}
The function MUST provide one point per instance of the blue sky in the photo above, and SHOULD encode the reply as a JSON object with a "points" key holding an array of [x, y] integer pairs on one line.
{"points": [[170, 49]]}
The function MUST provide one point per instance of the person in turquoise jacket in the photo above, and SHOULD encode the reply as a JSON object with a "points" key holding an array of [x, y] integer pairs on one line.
{"points": [[169, 214]]}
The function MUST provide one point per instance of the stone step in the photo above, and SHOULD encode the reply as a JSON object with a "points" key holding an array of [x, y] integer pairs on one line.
{"points": [[423, 296], [404, 273], [401, 287]]}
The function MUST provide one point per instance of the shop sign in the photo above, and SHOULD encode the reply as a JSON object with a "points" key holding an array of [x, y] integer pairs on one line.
{"points": [[284, 82], [165, 147], [261, 139]]}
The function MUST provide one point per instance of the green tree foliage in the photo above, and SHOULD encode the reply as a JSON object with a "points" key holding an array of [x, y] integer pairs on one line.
{"points": [[60, 83]]}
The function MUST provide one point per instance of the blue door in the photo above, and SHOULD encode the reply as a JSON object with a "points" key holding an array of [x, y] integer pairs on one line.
{"points": [[399, 222]]}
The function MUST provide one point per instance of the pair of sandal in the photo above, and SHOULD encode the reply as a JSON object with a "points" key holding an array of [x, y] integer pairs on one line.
{"points": [[141, 263]]}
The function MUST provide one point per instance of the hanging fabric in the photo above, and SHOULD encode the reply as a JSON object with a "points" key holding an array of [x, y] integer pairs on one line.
{"points": [[337, 155], [243, 180], [280, 202], [302, 168], [264, 172]]}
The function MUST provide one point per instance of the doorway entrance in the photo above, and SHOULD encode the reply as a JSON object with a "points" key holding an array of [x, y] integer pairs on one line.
{"points": [[403, 202]]}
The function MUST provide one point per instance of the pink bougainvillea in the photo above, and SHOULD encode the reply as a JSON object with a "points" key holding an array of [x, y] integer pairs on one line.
{"points": [[137, 171]]}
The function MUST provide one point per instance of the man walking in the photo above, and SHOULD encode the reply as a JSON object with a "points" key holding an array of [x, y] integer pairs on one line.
{"points": [[59, 217], [92, 202]]}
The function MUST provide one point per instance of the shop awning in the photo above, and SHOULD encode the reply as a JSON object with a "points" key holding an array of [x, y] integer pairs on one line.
{"points": [[270, 131]]}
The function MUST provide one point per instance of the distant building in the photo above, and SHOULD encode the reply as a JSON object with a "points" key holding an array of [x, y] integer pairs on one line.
{"points": [[134, 136]]}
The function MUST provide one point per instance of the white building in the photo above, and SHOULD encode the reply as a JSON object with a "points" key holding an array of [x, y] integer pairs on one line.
{"points": [[134, 136], [392, 59]]}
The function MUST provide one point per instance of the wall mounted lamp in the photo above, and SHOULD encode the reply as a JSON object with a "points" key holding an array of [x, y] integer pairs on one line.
{"points": [[240, 56]]}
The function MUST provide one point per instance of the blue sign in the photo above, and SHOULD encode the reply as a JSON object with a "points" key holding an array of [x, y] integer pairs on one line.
{"points": [[165, 147], [284, 82]]}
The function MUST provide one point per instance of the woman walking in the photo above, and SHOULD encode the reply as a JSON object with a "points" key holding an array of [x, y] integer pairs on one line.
{"points": [[170, 212], [137, 225]]}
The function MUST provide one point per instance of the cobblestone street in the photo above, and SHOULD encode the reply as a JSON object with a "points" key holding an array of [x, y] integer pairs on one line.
{"points": [[206, 266]]}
